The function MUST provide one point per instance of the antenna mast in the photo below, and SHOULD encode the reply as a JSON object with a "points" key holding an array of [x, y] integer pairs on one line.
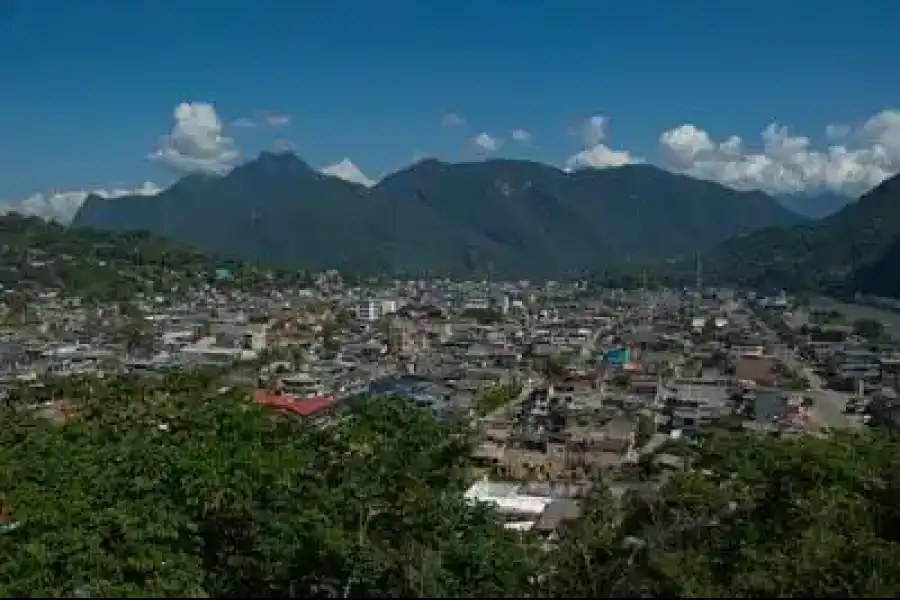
{"points": [[699, 273]]}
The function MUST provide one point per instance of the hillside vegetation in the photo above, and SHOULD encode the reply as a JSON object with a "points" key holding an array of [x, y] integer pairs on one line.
{"points": [[506, 216], [852, 250], [821, 255], [38, 256], [882, 277], [180, 488]]}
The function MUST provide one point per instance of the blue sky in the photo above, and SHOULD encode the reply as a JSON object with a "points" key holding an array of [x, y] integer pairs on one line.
{"points": [[89, 87]]}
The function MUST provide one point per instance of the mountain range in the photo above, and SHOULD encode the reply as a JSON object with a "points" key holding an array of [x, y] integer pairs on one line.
{"points": [[856, 249], [515, 218], [882, 277]]}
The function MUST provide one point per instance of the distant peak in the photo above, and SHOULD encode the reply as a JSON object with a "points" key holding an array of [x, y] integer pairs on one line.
{"points": [[269, 163], [282, 157], [347, 171], [428, 162], [424, 165]]}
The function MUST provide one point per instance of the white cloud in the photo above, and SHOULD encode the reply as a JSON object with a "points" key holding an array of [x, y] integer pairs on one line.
{"points": [[600, 157], [283, 145], [62, 206], [591, 131], [347, 171], [522, 136], [273, 119], [595, 154], [451, 120], [243, 123], [197, 143], [263, 118], [864, 157], [485, 144]]}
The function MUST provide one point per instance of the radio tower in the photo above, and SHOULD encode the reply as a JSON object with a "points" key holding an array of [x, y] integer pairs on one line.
{"points": [[699, 273]]}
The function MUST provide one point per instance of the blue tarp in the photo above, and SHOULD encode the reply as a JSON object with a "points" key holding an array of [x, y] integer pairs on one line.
{"points": [[617, 357]]}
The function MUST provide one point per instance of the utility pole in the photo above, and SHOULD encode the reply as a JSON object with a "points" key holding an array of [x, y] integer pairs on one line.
{"points": [[699, 273]]}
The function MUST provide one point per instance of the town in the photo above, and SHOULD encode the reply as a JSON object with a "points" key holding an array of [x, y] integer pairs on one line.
{"points": [[449, 301], [565, 385]]}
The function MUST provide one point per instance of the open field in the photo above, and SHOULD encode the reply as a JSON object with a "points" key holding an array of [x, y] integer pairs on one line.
{"points": [[852, 312]]}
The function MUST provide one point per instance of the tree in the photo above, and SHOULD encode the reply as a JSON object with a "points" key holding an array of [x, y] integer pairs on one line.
{"points": [[495, 396], [758, 517], [646, 427], [593, 561], [16, 308], [621, 380], [175, 489], [871, 329], [483, 316], [797, 382], [555, 367]]}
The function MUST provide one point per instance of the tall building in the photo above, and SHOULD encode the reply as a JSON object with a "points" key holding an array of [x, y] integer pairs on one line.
{"points": [[372, 309]]}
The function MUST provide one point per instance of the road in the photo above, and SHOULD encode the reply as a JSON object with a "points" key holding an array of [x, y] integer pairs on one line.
{"points": [[828, 405], [828, 410]]}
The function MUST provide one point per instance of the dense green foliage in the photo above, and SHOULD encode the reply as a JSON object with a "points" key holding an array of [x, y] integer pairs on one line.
{"points": [[39, 256], [871, 329], [757, 517], [496, 396], [880, 277], [183, 489], [823, 255], [500, 216], [483, 316]]}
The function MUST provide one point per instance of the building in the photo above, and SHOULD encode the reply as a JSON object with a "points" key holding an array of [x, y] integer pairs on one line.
{"points": [[443, 400], [542, 507], [890, 373], [755, 370], [302, 385], [692, 404], [244, 335], [285, 403], [372, 309]]}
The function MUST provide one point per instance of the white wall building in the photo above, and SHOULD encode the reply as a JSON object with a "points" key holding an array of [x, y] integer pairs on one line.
{"points": [[372, 309]]}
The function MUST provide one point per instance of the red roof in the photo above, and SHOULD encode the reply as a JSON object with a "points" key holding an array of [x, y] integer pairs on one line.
{"points": [[289, 404]]}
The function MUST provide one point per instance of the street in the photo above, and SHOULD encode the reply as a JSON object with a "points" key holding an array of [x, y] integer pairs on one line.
{"points": [[828, 410], [828, 405]]}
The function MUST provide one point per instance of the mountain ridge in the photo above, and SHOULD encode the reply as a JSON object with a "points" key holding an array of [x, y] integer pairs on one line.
{"points": [[503, 215], [835, 254]]}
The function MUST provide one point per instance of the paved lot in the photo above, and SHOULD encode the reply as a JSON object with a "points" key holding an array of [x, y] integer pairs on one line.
{"points": [[828, 410], [828, 405]]}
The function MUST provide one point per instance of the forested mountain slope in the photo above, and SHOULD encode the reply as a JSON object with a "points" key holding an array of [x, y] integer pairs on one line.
{"points": [[506, 216]]}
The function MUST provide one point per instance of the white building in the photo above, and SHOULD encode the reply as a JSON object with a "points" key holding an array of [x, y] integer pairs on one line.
{"points": [[372, 309]]}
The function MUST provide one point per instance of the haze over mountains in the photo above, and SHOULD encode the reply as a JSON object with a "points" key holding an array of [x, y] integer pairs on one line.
{"points": [[814, 206], [506, 216]]}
